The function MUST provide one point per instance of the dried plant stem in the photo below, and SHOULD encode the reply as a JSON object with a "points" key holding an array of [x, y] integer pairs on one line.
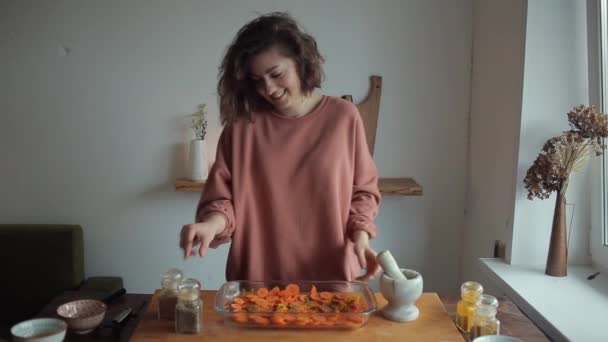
{"points": [[572, 156]]}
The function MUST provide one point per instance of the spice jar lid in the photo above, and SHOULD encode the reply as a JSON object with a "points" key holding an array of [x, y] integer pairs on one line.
{"points": [[486, 305], [171, 278], [189, 289], [486, 299], [471, 286]]}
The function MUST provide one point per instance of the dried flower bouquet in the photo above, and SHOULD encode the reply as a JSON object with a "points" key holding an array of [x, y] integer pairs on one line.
{"points": [[559, 158]]}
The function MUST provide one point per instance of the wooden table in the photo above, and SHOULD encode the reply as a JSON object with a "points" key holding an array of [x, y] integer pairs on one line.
{"points": [[107, 331], [434, 324], [513, 322]]}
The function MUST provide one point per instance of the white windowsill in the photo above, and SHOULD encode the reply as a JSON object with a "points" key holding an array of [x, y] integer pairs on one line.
{"points": [[570, 308]]}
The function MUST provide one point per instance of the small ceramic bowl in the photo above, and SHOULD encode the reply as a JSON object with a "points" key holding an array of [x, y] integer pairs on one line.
{"points": [[83, 315], [497, 338], [39, 330]]}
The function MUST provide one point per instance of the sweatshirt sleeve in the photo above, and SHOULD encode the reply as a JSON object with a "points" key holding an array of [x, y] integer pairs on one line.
{"points": [[366, 194], [217, 193]]}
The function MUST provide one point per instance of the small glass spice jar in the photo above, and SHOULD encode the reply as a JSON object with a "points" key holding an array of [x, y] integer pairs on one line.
{"points": [[484, 319], [167, 297], [189, 308], [469, 292]]}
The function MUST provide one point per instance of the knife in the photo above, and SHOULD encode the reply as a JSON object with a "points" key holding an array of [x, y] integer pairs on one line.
{"points": [[112, 296], [121, 316], [140, 308]]}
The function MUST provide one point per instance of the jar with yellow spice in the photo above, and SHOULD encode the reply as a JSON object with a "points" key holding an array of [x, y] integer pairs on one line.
{"points": [[469, 292]]}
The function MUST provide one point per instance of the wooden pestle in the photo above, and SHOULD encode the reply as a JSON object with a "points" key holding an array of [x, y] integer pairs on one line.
{"points": [[389, 265]]}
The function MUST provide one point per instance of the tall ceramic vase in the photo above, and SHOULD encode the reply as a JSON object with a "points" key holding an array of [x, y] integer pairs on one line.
{"points": [[197, 160], [557, 260]]}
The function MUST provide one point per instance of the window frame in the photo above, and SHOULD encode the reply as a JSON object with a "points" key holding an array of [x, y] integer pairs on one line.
{"points": [[604, 195], [598, 78], [603, 61]]}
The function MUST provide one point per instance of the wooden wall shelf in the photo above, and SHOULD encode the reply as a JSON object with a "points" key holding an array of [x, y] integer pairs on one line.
{"points": [[390, 186]]}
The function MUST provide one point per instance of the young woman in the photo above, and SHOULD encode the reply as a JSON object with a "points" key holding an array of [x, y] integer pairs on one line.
{"points": [[293, 186]]}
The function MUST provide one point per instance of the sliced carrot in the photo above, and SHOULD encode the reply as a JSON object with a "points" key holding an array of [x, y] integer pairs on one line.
{"points": [[326, 295], [319, 318], [333, 318], [306, 309], [293, 289], [259, 319], [354, 318], [240, 317], [266, 306], [340, 296], [289, 318], [236, 307], [313, 292], [301, 320], [275, 291], [278, 319], [263, 292]]}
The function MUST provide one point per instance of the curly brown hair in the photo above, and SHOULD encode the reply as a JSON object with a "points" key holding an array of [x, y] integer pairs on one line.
{"points": [[236, 90]]}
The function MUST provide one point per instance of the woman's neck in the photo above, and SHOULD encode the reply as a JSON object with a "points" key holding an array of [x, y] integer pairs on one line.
{"points": [[308, 104]]}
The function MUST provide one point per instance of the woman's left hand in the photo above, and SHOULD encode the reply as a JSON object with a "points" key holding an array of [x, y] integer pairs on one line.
{"points": [[366, 256]]}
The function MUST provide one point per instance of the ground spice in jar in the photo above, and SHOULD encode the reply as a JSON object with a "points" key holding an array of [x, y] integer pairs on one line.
{"points": [[188, 319], [166, 306], [188, 311], [167, 297], [469, 291]]}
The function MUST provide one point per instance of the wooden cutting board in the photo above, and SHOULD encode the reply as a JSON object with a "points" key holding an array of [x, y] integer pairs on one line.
{"points": [[434, 325]]}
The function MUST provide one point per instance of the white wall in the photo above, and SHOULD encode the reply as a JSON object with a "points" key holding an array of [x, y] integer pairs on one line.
{"points": [[497, 80], [530, 69], [96, 135], [555, 81]]}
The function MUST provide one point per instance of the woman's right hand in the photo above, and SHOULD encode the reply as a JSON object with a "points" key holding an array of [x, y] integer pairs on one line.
{"points": [[201, 234]]}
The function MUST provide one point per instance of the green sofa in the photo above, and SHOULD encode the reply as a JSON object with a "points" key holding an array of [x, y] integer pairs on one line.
{"points": [[37, 263]]}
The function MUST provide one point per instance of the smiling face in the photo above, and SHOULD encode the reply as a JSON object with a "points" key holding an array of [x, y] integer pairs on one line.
{"points": [[276, 80]]}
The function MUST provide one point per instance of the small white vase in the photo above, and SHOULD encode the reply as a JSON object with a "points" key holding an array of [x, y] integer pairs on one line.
{"points": [[198, 162]]}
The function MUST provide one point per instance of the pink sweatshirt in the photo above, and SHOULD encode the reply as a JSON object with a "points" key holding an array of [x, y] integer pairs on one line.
{"points": [[293, 191]]}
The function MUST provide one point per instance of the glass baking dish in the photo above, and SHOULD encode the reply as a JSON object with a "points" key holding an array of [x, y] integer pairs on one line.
{"points": [[301, 304]]}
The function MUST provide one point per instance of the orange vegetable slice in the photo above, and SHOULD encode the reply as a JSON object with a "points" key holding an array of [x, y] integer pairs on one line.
{"points": [[240, 317], [291, 307], [263, 292], [292, 289], [275, 291], [326, 295], [278, 319], [355, 318], [289, 318], [340, 296], [236, 307], [259, 319]]}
